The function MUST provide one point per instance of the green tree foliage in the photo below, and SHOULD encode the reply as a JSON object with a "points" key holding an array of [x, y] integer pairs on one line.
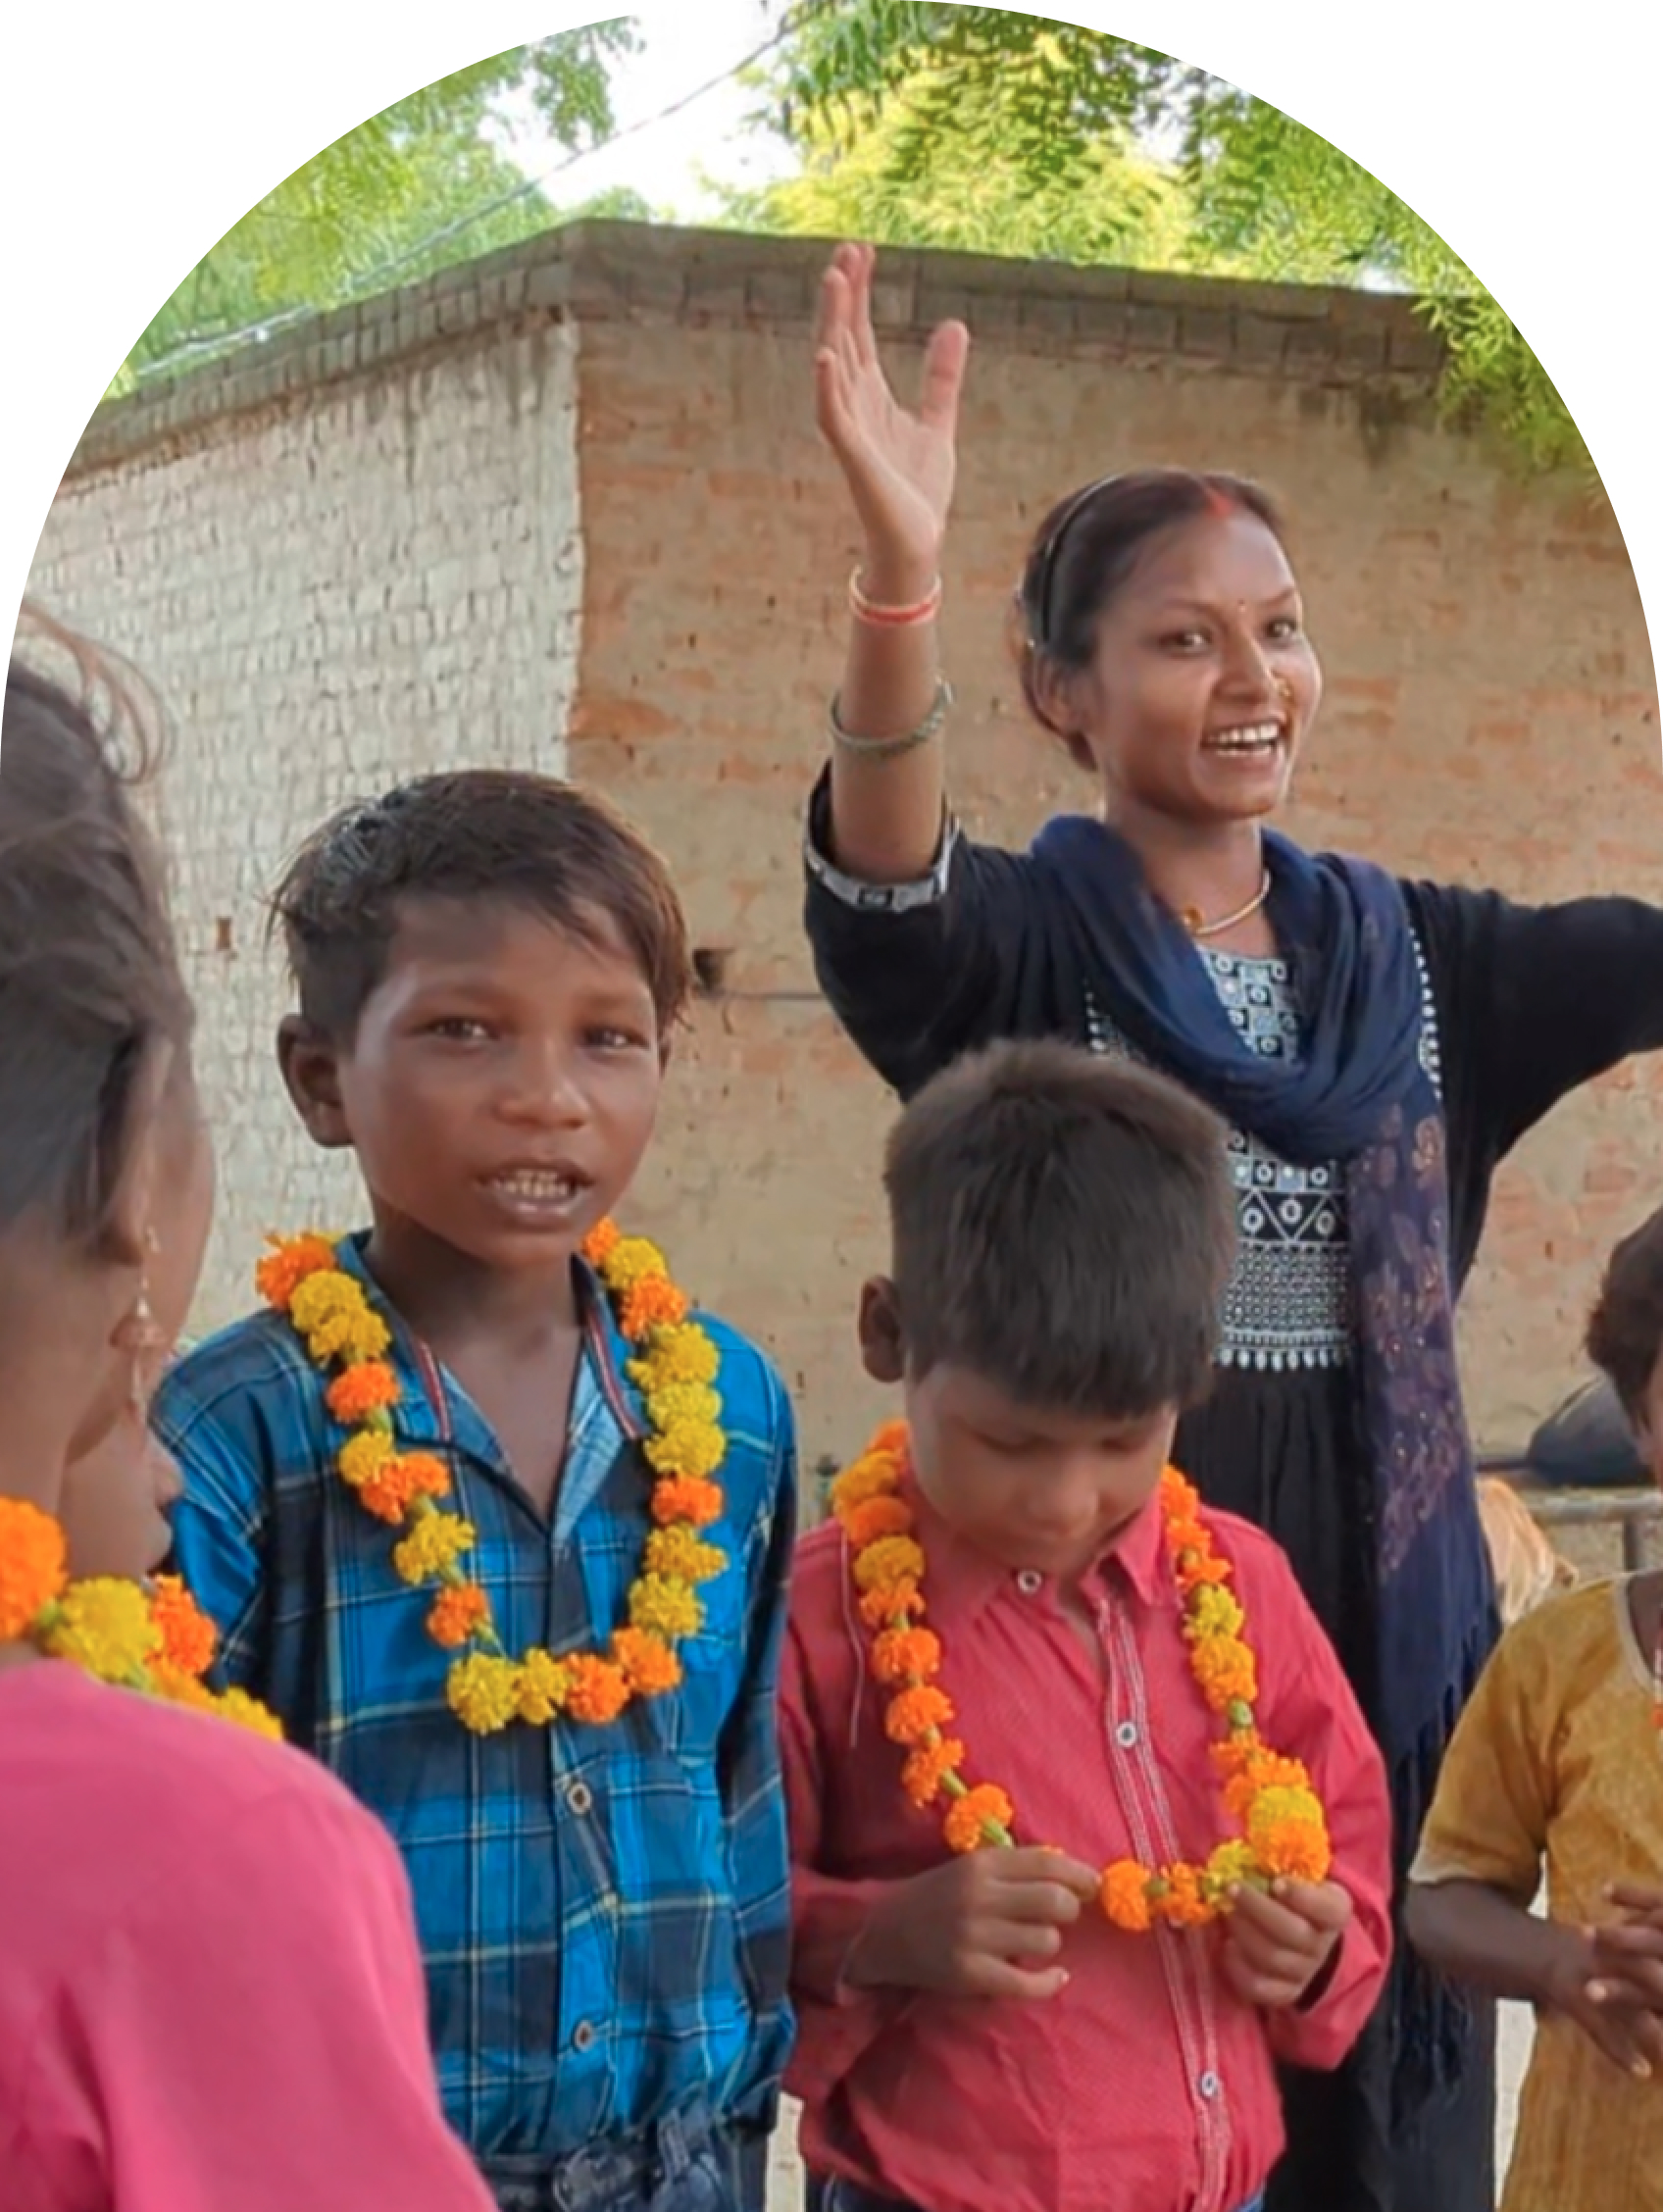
{"points": [[410, 191], [928, 124]]}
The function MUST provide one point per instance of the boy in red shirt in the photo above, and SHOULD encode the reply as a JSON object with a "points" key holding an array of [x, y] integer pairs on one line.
{"points": [[1061, 1898]]}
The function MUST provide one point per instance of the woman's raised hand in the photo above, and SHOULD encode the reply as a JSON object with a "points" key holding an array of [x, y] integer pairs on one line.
{"points": [[899, 466]]}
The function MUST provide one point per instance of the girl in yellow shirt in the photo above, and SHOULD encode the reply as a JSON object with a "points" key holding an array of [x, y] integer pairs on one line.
{"points": [[1557, 1766]]}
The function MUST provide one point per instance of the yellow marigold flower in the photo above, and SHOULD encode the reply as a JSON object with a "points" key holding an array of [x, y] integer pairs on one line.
{"points": [[686, 1497], [33, 1565], [544, 1685], [1125, 1896], [973, 1816], [666, 1609], [630, 1261], [104, 1626], [869, 1477], [362, 1456], [649, 1665], [891, 1559], [678, 1556], [927, 1764], [670, 1403], [248, 1712], [687, 1448], [1212, 1612], [484, 1692], [437, 1541], [685, 1353], [1227, 1866]]}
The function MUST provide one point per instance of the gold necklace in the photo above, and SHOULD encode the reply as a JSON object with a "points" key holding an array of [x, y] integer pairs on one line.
{"points": [[1200, 928]]}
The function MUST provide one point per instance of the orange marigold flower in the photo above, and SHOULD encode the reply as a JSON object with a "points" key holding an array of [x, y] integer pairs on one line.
{"points": [[926, 1765], [878, 1517], [1125, 1896], [913, 1714], [287, 1265], [369, 1387], [1225, 1669], [649, 1665], [599, 1689], [886, 1603], [888, 1560], [652, 1303], [186, 1633], [457, 1613], [427, 1473], [33, 1565], [1181, 1904], [387, 1493], [893, 1440], [901, 1656], [599, 1243], [971, 1817], [1194, 1569], [692, 1498]]}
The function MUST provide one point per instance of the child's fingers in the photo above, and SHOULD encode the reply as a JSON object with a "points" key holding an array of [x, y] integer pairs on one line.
{"points": [[1256, 1985], [999, 1978], [1631, 1897], [1269, 1919], [1320, 1904]]}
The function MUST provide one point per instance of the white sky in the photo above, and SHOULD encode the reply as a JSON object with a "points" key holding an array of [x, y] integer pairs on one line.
{"points": [[668, 161]]}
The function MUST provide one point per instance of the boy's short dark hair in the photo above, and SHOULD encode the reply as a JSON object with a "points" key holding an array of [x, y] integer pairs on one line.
{"points": [[1064, 1227], [497, 834], [1625, 1330]]}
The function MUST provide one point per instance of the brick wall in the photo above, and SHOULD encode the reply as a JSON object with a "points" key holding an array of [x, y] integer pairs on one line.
{"points": [[1491, 709], [332, 587]]}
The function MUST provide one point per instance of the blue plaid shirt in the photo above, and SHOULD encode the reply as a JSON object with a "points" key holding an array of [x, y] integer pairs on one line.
{"points": [[604, 1911]]}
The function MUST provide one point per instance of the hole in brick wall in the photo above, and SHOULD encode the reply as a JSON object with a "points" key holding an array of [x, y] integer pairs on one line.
{"points": [[222, 933], [710, 970]]}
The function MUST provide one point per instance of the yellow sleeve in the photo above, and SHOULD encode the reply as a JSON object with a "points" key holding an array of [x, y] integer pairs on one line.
{"points": [[1494, 1796]]}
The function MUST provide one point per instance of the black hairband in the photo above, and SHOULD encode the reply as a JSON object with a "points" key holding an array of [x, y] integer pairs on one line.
{"points": [[1048, 558]]}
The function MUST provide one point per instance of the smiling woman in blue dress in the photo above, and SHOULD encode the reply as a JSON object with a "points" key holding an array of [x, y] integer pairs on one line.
{"points": [[1376, 1045]]}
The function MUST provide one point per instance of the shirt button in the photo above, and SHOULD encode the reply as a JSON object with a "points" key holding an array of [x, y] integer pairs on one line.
{"points": [[1208, 2085], [580, 1798], [1030, 1582], [583, 2036], [1126, 1735]]}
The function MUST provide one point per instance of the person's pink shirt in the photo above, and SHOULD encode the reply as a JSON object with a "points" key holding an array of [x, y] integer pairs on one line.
{"points": [[211, 1998], [1148, 2085]]}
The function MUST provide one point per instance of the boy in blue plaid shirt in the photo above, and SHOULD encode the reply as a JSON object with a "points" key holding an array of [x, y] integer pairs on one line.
{"points": [[488, 968]]}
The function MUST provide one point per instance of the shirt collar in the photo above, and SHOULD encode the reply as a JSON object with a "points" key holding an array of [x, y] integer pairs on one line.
{"points": [[960, 1582], [606, 1352]]}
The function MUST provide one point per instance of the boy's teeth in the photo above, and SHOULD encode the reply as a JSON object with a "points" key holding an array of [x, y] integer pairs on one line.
{"points": [[1256, 739], [532, 1185]]}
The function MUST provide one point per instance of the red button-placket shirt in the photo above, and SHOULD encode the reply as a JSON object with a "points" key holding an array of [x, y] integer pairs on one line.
{"points": [[1148, 2085]]}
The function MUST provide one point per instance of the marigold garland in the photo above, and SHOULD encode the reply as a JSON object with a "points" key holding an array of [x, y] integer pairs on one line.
{"points": [[675, 1367], [1284, 1828], [157, 1640]]}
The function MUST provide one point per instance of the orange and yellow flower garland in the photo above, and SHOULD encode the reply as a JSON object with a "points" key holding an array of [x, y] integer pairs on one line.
{"points": [[1284, 1828], [158, 1640], [675, 1368]]}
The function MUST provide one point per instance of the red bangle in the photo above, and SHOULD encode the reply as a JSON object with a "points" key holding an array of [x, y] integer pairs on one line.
{"points": [[893, 618]]}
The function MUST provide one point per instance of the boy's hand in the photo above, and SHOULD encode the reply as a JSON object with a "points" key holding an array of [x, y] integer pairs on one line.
{"points": [[988, 1924], [1274, 1946], [1609, 1991]]}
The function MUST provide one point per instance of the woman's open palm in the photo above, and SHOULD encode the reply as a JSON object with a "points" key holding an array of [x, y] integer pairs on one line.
{"points": [[899, 466]]}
